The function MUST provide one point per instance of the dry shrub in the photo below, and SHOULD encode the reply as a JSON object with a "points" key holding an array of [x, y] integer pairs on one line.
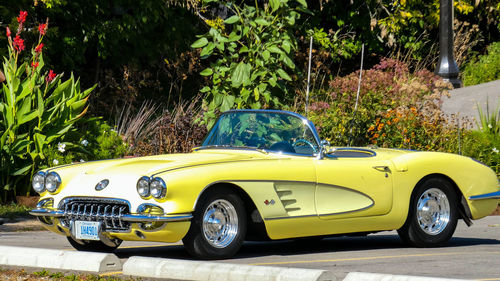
{"points": [[466, 38], [136, 127], [175, 131]]}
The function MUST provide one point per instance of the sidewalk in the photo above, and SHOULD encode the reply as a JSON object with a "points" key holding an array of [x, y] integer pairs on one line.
{"points": [[464, 101]]}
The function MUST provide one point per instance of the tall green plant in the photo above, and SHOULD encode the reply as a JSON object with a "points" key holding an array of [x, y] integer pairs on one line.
{"points": [[254, 55], [36, 109], [485, 69]]}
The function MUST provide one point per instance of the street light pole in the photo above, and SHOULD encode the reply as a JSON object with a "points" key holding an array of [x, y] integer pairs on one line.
{"points": [[447, 66]]}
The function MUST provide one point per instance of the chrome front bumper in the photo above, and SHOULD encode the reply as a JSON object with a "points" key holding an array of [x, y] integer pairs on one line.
{"points": [[41, 212], [492, 195]]}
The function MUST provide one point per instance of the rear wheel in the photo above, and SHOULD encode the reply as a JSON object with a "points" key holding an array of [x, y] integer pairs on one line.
{"points": [[93, 246], [433, 214], [218, 227]]}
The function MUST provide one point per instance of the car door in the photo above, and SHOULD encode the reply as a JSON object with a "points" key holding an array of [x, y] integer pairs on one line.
{"points": [[353, 183]]}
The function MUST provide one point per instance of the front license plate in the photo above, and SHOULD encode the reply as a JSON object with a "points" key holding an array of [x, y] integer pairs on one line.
{"points": [[87, 230]]}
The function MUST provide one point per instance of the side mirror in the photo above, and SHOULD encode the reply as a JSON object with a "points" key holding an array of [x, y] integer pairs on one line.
{"points": [[325, 149]]}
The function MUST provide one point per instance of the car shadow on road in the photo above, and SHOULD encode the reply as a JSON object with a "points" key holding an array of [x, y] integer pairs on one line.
{"points": [[300, 247]]}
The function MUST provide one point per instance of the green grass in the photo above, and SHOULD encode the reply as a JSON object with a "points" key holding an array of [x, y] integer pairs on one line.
{"points": [[21, 274], [12, 210]]}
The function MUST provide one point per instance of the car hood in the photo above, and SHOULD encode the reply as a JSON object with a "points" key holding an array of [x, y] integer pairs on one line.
{"points": [[80, 180], [151, 165]]}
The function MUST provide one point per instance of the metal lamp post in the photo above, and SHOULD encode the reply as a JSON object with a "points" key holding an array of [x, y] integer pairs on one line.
{"points": [[447, 66]]}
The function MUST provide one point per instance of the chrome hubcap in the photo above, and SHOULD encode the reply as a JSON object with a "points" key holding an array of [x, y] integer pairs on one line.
{"points": [[433, 211], [220, 223]]}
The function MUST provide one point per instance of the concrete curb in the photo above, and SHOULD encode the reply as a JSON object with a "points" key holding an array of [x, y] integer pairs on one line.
{"points": [[59, 259], [364, 276], [211, 271]]}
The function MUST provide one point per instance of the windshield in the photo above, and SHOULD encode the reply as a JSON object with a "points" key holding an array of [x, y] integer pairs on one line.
{"points": [[266, 130]]}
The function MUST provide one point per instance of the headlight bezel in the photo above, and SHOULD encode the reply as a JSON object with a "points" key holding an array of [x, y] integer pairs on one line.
{"points": [[162, 186], [39, 174], [151, 187], [57, 182], [147, 193]]}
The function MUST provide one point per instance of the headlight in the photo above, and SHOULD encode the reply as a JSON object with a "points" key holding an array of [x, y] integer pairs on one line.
{"points": [[143, 187], [158, 188], [52, 182], [38, 182]]}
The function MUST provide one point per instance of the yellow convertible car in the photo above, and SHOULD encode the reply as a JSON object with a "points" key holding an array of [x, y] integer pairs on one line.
{"points": [[263, 174]]}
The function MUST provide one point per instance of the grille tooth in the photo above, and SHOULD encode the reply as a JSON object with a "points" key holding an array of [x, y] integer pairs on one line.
{"points": [[113, 216], [99, 214], [106, 215], [106, 211], [122, 209]]}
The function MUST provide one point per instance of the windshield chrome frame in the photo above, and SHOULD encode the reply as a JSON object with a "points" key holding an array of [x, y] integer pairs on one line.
{"points": [[305, 121]]}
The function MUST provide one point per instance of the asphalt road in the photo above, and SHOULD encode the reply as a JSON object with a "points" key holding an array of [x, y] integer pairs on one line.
{"points": [[473, 253]]}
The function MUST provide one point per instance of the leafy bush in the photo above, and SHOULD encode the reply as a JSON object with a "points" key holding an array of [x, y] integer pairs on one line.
{"points": [[99, 141], [36, 110], [482, 147], [484, 143], [395, 107], [254, 55], [486, 69]]}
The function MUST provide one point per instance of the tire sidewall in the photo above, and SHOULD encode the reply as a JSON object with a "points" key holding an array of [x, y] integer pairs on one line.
{"points": [[416, 235], [196, 243]]}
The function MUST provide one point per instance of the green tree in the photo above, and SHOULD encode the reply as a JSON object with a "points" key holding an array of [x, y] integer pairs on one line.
{"points": [[252, 53]]}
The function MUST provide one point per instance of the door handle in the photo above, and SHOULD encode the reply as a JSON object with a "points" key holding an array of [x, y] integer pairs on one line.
{"points": [[382, 169]]}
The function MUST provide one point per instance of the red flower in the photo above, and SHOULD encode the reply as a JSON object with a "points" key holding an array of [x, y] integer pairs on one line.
{"points": [[50, 76], [42, 28], [34, 64], [18, 43], [38, 48], [22, 17], [8, 32]]}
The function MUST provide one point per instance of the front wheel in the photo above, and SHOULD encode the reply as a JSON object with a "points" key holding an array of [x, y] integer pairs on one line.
{"points": [[433, 214], [218, 227]]}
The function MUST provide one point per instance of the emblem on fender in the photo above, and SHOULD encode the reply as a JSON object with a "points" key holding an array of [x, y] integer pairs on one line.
{"points": [[267, 202], [101, 185]]}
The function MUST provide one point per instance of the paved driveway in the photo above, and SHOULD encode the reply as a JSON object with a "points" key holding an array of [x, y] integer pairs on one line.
{"points": [[473, 253]]}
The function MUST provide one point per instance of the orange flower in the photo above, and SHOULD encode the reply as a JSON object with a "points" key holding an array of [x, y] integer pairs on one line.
{"points": [[388, 122], [375, 136], [383, 135], [395, 120], [380, 126], [413, 110], [371, 128]]}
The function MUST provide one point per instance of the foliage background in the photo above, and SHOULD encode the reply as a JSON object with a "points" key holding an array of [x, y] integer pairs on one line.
{"points": [[145, 59]]}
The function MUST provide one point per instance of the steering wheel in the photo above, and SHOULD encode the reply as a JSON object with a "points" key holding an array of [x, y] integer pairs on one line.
{"points": [[304, 141]]}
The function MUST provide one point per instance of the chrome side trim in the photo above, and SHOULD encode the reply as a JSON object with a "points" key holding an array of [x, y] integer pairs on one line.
{"points": [[492, 195], [145, 218], [211, 163], [46, 213], [291, 217]]}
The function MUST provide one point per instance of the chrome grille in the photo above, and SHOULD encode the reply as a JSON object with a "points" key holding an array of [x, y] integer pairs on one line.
{"points": [[107, 211]]}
